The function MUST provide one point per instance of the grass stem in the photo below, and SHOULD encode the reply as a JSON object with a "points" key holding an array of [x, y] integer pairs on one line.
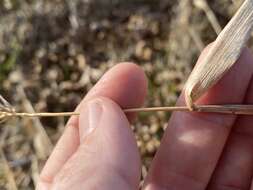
{"points": [[222, 109]]}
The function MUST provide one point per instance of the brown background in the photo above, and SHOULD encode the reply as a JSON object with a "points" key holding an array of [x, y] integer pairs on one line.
{"points": [[52, 52]]}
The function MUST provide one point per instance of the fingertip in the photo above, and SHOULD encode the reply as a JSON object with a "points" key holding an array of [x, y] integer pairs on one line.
{"points": [[138, 88], [137, 78], [125, 84]]}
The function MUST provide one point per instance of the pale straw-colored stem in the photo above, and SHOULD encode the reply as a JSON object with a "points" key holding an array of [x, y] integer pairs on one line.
{"points": [[60, 114], [223, 109]]}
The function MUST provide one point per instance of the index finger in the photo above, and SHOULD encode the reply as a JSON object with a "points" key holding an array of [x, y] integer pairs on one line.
{"points": [[193, 142]]}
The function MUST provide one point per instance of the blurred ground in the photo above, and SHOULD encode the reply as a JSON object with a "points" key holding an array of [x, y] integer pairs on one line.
{"points": [[52, 52]]}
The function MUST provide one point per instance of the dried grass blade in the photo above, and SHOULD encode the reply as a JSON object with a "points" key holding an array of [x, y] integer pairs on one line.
{"points": [[223, 54], [9, 174], [5, 105], [42, 142]]}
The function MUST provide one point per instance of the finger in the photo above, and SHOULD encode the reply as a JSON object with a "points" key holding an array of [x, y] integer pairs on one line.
{"points": [[235, 168], [116, 84], [125, 84], [107, 157], [193, 142]]}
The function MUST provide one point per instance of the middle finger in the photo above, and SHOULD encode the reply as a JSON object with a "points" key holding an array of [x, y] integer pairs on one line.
{"points": [[193, 142]]}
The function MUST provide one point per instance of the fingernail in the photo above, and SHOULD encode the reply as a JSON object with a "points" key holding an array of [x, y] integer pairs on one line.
{"points": [[90, 117]]}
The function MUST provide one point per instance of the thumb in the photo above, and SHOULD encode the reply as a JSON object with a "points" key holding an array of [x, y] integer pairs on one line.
{"points": [[107, 157]]}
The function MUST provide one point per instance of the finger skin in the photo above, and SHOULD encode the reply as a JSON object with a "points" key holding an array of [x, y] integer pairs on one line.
{"points": [[107, 157], [235, 168], [193, 142], [115, 85]]}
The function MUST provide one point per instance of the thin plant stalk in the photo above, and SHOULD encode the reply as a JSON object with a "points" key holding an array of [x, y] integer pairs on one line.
{"points": [[222, 109]]}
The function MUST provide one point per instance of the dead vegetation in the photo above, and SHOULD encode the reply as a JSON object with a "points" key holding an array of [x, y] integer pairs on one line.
{"points": [[52, 52]]}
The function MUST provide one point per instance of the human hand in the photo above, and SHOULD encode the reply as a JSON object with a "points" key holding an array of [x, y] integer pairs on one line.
{"points": [[197, 152]]}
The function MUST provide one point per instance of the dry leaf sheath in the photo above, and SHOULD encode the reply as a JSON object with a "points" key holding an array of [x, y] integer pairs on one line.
{"points": [[222, 55]]}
